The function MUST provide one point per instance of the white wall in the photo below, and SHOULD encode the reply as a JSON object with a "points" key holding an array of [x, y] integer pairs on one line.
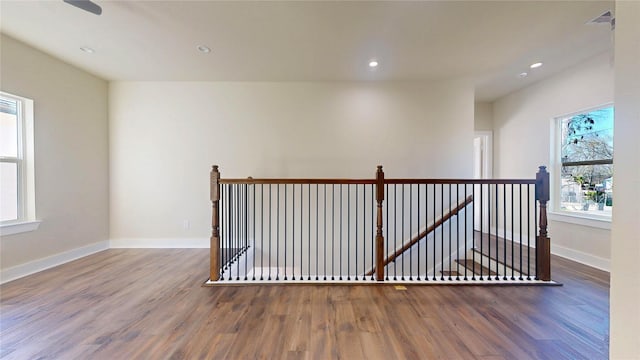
{"points": [[625, 247], [164, 137], [522, 142], [71, 155], [483, 116]]}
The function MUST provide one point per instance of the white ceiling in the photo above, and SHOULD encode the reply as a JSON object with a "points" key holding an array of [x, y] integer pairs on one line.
{"points": [[489, 42]]}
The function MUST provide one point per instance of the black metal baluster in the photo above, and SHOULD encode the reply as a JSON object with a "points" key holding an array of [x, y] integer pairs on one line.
{"points": [[270, 211], [340, 274], [254, 233], [466, 213], [317, 237], [410, 229], [395, 227], [309, 233], [535, 222], [504, 232], [528, 231], [278, 232], [418, 217], [364, 232], [520, 225], [426, 237], [473, 273], [246, 228], [434, 233], [285, 231], [356, 230], [482, 223], [497, 236], [261, 232], [450, 221], [497, 233], [301, 232], [402, 232], [227, 227], [293, 231], [246, 222], [333, 231], [513, 234], [373, 233], [324, 193], [223, 229], [387, 239], [348, 232], [238, 245], [458, 233], [442, 232]]}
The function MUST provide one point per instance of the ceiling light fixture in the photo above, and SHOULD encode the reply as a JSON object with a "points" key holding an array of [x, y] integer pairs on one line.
{"points": [[373, 63], [87, 49], [536, 65], [523, 74], [204, 49]]}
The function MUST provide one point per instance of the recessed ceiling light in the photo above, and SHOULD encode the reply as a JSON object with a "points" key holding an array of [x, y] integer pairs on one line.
{"points": [[373, 63], [536, 65], [87, 49], [523, 74], [204, 49]]}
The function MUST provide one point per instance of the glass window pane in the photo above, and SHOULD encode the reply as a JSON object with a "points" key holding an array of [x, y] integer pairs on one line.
{"points": [[9, 191], [588, 136], [587, 189], [8, 135]]}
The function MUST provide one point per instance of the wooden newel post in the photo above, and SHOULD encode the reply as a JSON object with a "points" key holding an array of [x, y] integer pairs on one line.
{"points": [[214, 252], [379, 238], [543, 243]]}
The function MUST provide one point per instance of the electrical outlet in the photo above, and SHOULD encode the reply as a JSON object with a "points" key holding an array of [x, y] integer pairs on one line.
{"points": [[186, 224]]}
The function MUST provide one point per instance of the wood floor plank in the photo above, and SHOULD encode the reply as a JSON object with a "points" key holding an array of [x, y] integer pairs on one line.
{"points": [[149, 303]]}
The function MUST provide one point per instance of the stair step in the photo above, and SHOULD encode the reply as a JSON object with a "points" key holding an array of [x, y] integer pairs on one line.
{"points": [[476, 267]]}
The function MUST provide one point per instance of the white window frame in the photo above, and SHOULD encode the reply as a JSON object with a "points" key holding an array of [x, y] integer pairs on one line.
{"points": [[26, 220], [555, 213]]}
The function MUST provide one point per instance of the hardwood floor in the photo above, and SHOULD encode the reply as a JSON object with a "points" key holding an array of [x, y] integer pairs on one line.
{"points": [[149, 304]]}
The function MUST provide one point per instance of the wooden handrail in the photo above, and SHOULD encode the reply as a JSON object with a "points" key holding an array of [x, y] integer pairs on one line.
{"points": [[373, 181], [298, 181], [460, 181], [424, 233]]}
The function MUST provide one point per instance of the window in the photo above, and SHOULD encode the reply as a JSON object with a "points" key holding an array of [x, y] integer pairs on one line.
{"points": [[17, 193], [584, 164]]}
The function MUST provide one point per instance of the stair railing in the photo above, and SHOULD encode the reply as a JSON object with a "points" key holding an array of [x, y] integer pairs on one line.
{"points": [[335, 230]]}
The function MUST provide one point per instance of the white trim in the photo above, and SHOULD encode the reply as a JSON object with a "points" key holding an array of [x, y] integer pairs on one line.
{"points": [[35, 266], [159, 243], [25, 161], [583, 258], [20, 227], [487, 149], [600, 223]]}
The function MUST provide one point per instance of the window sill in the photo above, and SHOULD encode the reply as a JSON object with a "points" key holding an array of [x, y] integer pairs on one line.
{"points": [[17, 228], [590, 221]]}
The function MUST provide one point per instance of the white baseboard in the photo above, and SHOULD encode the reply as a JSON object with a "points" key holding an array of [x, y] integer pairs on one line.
{"points": [[583, 258], [35, 266], [159, 243], [571, 254]]}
